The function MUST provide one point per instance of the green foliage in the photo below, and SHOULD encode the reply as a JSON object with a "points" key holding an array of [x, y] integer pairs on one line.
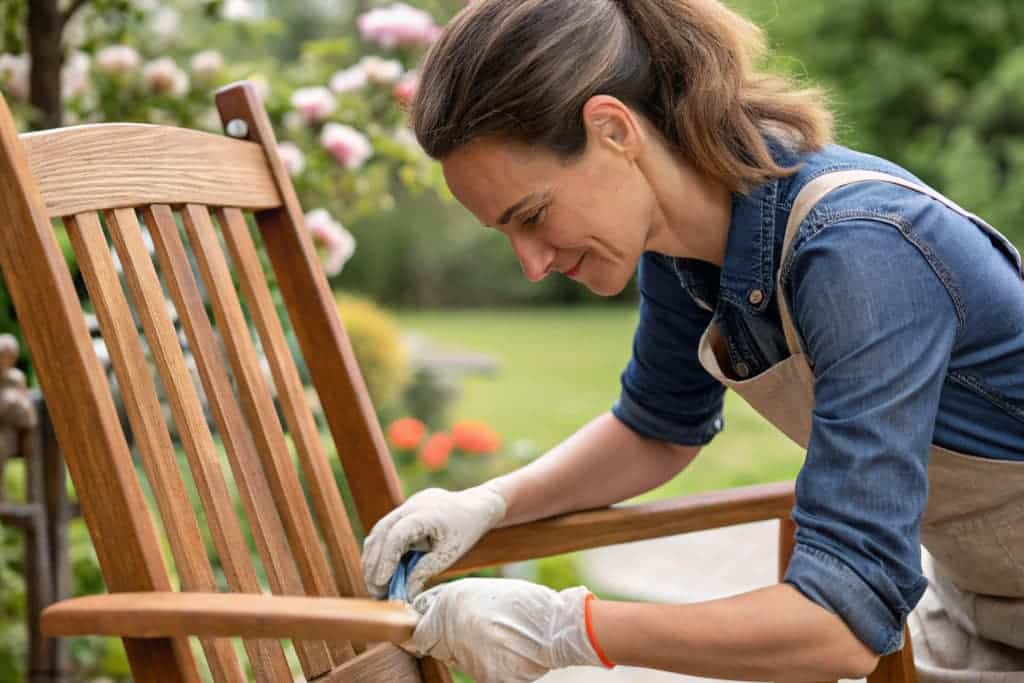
{"points": [[558, 572], [377, 344], [935, 86]]}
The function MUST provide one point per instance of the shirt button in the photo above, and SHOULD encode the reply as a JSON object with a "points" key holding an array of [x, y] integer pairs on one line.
{"points": [[742, 369], [756, 297]]}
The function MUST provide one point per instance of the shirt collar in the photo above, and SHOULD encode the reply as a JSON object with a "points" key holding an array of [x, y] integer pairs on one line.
{"points": [[747, 276], [748, 272]]}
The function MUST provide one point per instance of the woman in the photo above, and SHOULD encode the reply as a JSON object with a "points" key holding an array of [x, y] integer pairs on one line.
{"points": [[866, 316]]}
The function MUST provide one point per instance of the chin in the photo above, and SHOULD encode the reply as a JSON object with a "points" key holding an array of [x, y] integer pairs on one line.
{"points": [[605, 288]]}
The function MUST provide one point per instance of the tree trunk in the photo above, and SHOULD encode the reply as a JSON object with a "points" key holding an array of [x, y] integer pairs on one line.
{"points": [[47, 54]]}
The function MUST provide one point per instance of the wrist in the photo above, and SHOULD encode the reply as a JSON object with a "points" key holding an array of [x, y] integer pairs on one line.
{"points": [[497, 501], [572, 639], [588, 621]]}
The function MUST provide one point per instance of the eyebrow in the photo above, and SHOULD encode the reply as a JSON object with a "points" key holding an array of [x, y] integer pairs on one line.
{"points": [[533, 197]]}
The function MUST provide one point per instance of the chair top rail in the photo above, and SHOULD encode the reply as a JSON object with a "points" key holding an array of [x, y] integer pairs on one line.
{"points": [[114, 165]]}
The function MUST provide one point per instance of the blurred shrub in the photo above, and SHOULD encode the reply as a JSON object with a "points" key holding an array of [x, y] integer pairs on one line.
{"points": [[429, 395], [429, 253], [558, 572], [935, 86], [455, 458], [377, 344]]}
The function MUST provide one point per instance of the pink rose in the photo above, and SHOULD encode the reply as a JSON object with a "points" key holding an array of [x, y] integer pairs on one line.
{"points": [[398, 25], [14, 75], [405, 89], [116, 60], [338, 243], [314, 104], [165, 77], [350, 147], [347, 80], [292, 157]]}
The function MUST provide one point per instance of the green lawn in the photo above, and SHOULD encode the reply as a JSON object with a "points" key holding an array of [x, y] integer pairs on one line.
{"points": [[559, 367]]}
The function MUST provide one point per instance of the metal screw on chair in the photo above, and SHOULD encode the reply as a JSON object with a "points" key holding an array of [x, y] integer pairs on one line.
{"points": [[237, 128]]}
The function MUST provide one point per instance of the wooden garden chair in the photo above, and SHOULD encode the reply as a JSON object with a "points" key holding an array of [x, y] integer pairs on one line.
{"points": [[122, 172]]}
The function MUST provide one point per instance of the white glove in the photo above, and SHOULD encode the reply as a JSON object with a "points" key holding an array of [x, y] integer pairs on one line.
{"points": [[503, 630], [444, 523]]}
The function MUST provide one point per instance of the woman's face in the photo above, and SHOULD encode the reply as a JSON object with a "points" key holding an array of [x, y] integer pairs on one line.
{"points": [[588, 219]]}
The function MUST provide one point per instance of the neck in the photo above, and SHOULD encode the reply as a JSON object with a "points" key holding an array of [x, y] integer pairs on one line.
{"points": [[693, 210]]}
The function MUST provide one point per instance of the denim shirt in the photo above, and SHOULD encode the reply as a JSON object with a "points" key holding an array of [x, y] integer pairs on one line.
{"points": [[913, 320]]}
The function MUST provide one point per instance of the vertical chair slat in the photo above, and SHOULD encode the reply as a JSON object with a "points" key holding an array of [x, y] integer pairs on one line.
{"points": [[325, 346], [266, 657], [252, 486], [147, 421], [258, 405], [79, 402], [327, 502]]}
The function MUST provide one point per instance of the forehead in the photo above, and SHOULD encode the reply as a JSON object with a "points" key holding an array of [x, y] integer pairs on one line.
{"points": [[488, 176]]}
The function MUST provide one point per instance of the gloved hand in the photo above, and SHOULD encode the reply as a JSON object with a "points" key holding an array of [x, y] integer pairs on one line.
{"points": [[445, 524], [503, 630]]}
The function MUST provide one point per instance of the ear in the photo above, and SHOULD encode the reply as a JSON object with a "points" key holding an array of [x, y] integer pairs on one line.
{"points": [[610, 122]]}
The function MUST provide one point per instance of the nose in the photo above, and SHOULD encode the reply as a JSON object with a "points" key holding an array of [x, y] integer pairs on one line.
{"points": [[535, 257]]}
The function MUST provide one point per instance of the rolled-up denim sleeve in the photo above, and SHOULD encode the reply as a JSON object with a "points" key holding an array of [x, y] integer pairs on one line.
{"points": [[878, 322], [666, 393]]}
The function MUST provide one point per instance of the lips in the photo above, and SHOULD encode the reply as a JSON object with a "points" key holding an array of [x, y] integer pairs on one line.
{"points": [[575, 269]]}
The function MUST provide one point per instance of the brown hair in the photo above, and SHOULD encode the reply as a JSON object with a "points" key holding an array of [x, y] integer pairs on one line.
{"points": [[523, 69]]}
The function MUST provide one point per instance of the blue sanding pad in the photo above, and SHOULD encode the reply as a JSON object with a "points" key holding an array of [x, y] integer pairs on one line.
{"points": [[397, 589]]}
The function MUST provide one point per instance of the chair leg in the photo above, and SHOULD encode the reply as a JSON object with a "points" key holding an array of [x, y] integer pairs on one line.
{"points": [[897, 667], [58, 515], [787, 541], [434, 671]]}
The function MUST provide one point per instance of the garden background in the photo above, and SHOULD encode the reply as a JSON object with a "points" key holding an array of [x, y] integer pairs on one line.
{"points": [[473, 369]]}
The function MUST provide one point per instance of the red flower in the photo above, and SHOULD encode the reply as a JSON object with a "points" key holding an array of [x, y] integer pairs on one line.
{"points": [[405, 89], [473, 436], [434, 453], [406, 433]]}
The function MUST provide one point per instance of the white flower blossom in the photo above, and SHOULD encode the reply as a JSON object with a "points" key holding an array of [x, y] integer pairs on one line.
{"points": [[292, 157], [117, 60], [347, 80], [164, 76], [398, 25], [314, 104], [260, 85], [338, 242], [164, 23], [350, 147], [384, 71], [293, 121], [407, 138], [206, 65], [75, 75], [14, 75], [237, 10]]}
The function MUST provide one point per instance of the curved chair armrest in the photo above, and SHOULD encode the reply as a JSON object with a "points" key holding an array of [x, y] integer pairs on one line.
{"points": [[245, 615], [626, 523]]}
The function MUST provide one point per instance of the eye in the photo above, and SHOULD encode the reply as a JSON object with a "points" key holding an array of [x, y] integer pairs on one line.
{"points": [[534, 218]]}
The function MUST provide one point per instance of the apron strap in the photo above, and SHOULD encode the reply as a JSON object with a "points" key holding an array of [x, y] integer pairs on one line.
{"points": [[815, 190]]}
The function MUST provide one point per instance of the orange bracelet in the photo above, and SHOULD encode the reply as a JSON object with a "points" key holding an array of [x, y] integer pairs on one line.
{"points": [[590, 633]]}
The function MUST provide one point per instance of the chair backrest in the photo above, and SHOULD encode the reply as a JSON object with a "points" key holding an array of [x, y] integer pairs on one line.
{"points": [[119, 177]]}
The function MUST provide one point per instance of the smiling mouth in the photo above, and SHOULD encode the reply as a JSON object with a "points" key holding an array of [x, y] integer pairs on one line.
{"points": [[575, 269]]}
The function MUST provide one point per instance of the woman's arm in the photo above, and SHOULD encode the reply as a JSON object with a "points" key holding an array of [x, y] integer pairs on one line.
{"points": [[603, 463], [513, 630], [770, 634]]}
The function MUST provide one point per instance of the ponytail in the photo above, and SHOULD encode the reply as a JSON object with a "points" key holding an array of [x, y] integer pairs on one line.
{"points": [[524, 69]]}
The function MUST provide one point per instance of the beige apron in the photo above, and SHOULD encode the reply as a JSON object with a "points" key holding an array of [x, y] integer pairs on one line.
{"points": [[969, 626]]}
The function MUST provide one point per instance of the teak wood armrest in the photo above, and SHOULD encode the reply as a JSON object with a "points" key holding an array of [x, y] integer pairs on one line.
{"points": [[622, 524], [245, 615]]}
